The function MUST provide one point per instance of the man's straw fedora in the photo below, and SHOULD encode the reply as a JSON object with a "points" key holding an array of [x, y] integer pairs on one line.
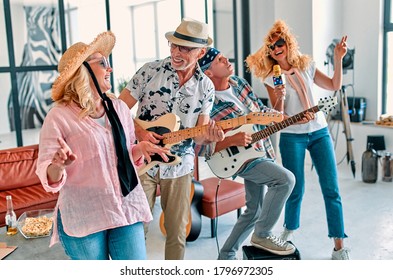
{"points": [[190, 33]]}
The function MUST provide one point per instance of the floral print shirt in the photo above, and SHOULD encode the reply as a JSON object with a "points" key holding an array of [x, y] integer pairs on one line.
{"points": [[156, 87]]}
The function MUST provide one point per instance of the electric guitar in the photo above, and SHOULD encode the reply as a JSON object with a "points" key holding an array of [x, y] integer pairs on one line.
{"points": [[194, 225], [168, 126], [228, 162]]}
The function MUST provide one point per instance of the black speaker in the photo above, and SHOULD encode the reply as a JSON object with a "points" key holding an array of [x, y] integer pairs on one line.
{"points": [[377, 142], [253, 253]]}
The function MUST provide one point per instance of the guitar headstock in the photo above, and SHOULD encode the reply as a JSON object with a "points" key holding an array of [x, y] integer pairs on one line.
{"points": [[264, 118], [327, 104]]}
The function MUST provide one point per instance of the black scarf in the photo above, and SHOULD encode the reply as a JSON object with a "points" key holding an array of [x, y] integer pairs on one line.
{"points": [[125, 169]]}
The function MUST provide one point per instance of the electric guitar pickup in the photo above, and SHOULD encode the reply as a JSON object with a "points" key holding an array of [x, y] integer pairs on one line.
{"points": [[168, 126], [229, 161]]}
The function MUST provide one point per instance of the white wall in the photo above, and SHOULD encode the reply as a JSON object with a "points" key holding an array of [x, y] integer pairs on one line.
{"points": [[324, 14], [365, 26], [316, 23]]}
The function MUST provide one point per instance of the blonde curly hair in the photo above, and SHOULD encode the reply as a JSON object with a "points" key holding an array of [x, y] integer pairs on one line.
{"points": [[78, 90], [260, 64]]}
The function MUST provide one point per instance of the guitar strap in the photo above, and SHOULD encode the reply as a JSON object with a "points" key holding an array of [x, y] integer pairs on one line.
{"points": [[126, 171]]}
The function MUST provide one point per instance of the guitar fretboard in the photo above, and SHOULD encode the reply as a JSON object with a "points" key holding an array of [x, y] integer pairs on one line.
{"points": [[258, 117], [281, 125]]}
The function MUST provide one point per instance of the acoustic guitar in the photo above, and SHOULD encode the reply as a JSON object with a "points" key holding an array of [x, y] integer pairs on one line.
{"points": [[229, 161], [194, 225], [168, 126]]}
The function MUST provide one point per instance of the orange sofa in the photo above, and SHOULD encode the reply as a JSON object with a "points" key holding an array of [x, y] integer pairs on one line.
{"points": [[18, 179]]}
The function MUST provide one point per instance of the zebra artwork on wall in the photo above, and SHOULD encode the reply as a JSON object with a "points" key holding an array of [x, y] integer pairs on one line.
{"points": [[42, 47]]}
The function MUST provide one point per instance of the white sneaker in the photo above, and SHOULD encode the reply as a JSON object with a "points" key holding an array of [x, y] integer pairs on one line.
{"points": [[287, 235], [342, 254]]}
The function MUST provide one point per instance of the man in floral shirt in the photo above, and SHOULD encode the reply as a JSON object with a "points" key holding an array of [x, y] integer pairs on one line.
{"points": [[176, 85]]}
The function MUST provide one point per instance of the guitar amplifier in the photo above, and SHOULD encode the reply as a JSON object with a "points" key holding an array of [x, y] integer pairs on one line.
{"points": [[253, 253]]}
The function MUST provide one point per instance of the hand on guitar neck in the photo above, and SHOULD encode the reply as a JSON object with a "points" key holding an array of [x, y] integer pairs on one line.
{"points": [[307, 116], [166, 130], [146, 135], [230, 158]]}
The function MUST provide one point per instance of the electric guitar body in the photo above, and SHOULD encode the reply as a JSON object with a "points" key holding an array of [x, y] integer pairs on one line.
{"points": [[194, 225], [164, 124], [168, 126], [228, 162]]}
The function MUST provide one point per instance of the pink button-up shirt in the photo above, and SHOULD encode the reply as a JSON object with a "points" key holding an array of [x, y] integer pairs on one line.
{"points": [[90, 198]]}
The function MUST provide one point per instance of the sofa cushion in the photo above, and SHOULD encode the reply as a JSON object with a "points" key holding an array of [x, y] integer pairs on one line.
{"points": [[231, 196], [25, 199], [18, 179], [17, 167]]}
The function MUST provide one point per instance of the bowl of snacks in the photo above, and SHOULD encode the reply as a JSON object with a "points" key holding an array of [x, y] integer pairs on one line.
{"points": [[36, 223]]}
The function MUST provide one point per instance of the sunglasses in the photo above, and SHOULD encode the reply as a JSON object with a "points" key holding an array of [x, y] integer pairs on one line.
{"points": [[279, 43], [182, 49], [104, 62]]}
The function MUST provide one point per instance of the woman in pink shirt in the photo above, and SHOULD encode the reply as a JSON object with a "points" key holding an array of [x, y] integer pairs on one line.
{"points": [[87, 154]]}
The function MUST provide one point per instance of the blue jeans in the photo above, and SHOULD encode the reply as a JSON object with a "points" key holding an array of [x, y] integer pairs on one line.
{"points": [[122, 243], [319, 144], [262, 210]]}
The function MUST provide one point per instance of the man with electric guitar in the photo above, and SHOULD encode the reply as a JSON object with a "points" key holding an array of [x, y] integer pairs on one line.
{"points": [[234, 97], [175, 85]]}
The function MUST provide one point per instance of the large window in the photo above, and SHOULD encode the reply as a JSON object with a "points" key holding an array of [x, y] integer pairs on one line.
{"points": [[34, 34], [30, 53], [140, 40], [387, 97], [3, 43]]}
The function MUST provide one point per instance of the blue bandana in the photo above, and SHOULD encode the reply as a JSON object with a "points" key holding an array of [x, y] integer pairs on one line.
{"points": [[208, 58]]}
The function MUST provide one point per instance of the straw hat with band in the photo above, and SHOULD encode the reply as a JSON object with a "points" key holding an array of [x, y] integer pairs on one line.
{"points": [[190, 33], [74, 56], [71, 60]]}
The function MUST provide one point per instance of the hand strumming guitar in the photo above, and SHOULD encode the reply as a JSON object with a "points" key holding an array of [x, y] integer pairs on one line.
{"points": [[239, 139], [147, 149], [145, 135]]}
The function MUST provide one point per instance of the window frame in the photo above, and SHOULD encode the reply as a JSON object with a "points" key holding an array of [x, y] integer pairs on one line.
{"points": [[388, 28]]}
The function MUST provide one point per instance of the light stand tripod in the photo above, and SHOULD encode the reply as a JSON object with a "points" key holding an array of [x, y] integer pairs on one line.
{"points": [[342, 96]]}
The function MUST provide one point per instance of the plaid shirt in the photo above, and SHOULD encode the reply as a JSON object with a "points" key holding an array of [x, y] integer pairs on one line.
{"points": [[223, 109]]}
